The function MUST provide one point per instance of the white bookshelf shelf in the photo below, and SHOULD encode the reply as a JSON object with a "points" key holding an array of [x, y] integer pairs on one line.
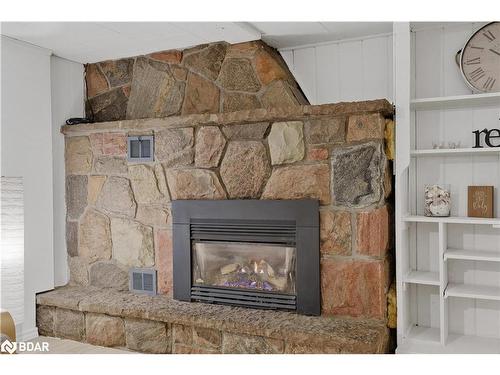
{"points": [[453, 220], [422, 333], [456, 102], [456, 152], [425, 342], [476, 255], [423, 277], [473, 291]]}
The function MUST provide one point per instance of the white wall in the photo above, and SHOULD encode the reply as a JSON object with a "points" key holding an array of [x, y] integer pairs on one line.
{"points": [[26, 148], [67, 101], [349, 70]]}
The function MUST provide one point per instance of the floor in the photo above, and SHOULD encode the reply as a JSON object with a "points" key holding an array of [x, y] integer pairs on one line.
{"points": [[61, 346]]}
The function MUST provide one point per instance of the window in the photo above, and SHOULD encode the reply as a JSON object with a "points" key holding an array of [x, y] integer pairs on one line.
{"points": [[140, 148]]}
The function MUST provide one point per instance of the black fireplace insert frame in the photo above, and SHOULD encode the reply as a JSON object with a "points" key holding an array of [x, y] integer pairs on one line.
{"points": [[294, 221]]}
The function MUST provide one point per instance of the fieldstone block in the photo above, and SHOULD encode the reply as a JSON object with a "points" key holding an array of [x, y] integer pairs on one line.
{"points": [[78, 271], [182, 334], [245, 168], [69, 324], [154, 92], [210, 144], [373, 232], [94, 188], [162, 182], [328, 130], [309, 181], [144, 184], [268, 68], [78, 155], [132, 243], [202, 96], [72, 238], [186, 349], [170, 57], [194, 184], [110, 165], [239, 101], [245, 344], [156, 216], [174, 146], [76, 196], [357, 175], [286, 142], [365, 126], [118, 72], [147, 336], [110, 144], [116, 197], [354, 287], [108, 106], [164, 260], [335, 232], [105, 330], [108, 275], [206, 60], [45, 320], [95, 236], [207, 338], [281, 94], [244, 49], [317, 154], [246, 131], [179, 72], [96, 81], [237, 74]]}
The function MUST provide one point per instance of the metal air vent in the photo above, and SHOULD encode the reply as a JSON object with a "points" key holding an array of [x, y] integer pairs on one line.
{"points": [[142, 280]]}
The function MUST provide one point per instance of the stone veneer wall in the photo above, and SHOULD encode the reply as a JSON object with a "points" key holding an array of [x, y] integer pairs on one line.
{"points": [[118, 213], [208, 78]]}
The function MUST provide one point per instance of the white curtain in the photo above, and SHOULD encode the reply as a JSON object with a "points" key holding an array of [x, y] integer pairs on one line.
{"points": [[12, 248]]}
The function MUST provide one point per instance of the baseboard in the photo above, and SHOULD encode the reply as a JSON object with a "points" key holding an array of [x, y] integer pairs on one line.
{"points": [[27, 334]]}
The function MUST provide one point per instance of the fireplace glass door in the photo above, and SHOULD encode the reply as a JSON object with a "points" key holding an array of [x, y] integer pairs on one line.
{"points": [[263, 267]]}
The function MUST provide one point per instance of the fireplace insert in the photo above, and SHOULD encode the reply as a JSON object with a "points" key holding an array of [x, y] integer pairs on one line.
{"points": [[250, 253]]}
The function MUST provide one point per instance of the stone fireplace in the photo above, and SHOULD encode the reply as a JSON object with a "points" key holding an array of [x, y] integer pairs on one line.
{"points": [[248, 253], [256, 144]]}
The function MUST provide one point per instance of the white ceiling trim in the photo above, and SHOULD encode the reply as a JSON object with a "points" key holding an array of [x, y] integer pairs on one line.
{"points": [[309, 45], [87, 42]]}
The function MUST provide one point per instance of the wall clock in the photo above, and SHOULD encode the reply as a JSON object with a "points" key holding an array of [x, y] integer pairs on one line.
{"points": [[480, 59]]}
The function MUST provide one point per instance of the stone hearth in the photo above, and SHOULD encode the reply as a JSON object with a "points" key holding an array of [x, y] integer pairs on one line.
{"points": [[160, 324], [118, 216]]}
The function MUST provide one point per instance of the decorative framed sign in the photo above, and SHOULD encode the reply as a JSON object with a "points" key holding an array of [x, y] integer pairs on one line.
{"points": [[480, 201]]}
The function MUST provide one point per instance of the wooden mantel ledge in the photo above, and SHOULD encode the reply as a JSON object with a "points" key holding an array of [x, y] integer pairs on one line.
{"points": [[240, 117]]}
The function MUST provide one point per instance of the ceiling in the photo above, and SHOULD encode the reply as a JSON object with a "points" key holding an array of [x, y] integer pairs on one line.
{"points": [[87, 42]]}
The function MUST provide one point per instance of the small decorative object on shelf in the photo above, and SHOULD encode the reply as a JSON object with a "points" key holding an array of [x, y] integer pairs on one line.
{"points": [[437, 200], [451, 145], [480, 201]]}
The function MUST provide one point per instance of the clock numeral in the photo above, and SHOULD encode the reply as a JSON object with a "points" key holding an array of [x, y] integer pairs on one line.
{"points": [[477, 74], [489, 35], [488, 84], [476, 47], [475, 60]]}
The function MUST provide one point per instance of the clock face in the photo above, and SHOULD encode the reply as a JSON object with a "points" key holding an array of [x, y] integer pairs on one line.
{"points": [[480, 60]]}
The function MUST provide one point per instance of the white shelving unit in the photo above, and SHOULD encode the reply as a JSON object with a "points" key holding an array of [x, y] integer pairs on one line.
{"points": [[448, 268]]}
